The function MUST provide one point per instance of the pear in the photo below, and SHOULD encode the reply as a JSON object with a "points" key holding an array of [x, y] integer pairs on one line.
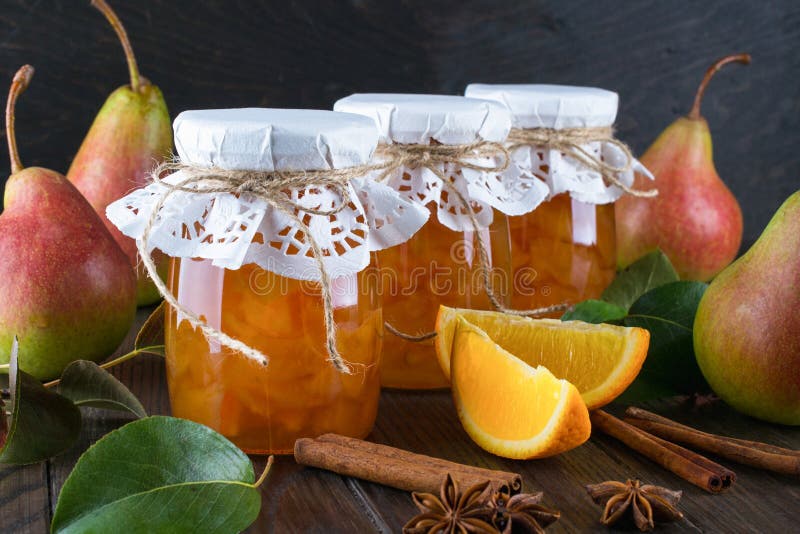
{"points": [[68, 290], [747, 328], [695, 219], [129, 137]]}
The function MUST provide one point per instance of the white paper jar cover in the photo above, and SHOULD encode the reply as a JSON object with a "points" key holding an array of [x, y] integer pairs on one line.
{"points": [[560, 107], [449, 120], [233, 230]]}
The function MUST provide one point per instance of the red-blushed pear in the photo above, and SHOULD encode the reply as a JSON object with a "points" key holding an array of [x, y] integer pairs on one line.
{"points": [[695, 219], [68, 291], [129, 137], [747, 328]]}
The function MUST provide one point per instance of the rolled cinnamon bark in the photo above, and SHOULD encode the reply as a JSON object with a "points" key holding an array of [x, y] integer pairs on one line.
{"points": [[753, 453], [394, 467], [688, 465]]}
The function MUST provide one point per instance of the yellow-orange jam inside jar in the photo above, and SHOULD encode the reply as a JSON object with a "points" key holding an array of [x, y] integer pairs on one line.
{"points": [[248, 269], [264, 409], [441, 264], [564, 250]]}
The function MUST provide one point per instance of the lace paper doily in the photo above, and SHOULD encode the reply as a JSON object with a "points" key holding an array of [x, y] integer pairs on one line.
{"points": [[233, 231], [563, 174], [511, 192]]}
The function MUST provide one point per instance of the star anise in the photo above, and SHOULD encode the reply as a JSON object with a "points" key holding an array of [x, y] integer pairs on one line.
{"points": [[645, 503], [452, 511], [520, 514]]}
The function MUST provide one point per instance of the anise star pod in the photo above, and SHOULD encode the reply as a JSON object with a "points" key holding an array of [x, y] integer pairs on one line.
{"points": [[521, 513], [644, 503], [452, 511]]}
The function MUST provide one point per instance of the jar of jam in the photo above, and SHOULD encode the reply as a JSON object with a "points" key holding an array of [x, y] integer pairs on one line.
{"points": [[564, 251], [441, 263], [243, 262]]}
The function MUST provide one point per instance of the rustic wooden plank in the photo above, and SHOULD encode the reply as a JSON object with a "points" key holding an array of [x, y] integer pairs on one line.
{"points": [[426, 423], [298, 499], [24, 499]]}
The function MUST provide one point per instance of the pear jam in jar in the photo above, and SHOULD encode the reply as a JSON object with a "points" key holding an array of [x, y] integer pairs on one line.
{"points": [[441, 263], [564, 251], [244, 264]]}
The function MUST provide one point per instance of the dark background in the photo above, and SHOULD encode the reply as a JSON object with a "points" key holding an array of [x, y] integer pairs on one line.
{"points": [[228, 53]]}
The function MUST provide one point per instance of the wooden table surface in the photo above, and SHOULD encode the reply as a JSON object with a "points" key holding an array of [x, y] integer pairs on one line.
{"points": [[297, 499]]}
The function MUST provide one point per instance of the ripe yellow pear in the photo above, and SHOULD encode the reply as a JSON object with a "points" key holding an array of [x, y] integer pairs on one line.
{"points": [[747, 328]]}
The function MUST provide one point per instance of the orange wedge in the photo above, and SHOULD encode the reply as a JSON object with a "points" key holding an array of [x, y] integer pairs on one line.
{"points": [[601, 360], [508, 407]]}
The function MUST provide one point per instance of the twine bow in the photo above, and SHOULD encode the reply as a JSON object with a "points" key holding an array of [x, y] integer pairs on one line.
{"points": [[270, 187], [572, 142]]}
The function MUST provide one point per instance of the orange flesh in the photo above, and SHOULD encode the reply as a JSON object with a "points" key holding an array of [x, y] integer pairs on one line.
{"points": [[299, 394], [436, 266], [563, 252]]}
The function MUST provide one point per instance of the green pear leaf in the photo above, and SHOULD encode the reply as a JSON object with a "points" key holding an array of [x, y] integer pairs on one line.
{"points": [[646, 273], [668, 313], [43, 423], [87, 384], [159, 474], [595, 311], [151, 335]]}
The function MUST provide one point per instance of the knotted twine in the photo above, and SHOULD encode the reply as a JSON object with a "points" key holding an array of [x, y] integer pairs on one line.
{"points": [[435, 158], [270, 187], [572, 142]]}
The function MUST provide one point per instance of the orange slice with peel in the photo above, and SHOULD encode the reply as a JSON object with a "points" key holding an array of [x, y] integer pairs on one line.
{"points": [[601, 360], [508, 407]]}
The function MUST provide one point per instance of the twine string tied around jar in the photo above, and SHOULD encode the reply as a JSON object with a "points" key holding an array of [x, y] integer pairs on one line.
{"points": [[572, 142], [435, 158], [270, 187]]}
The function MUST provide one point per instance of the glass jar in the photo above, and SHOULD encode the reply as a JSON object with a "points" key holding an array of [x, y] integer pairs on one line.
{"points": [[440, 264], [264, 409], [564, 249], [437, 266], [245, 265]]}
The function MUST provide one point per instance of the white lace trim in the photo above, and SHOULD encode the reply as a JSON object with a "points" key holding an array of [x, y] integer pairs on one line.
{"points": [[511, 192], [233, 231], [564, 174]]}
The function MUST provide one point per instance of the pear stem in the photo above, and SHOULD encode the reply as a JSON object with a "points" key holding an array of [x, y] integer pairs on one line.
{"points": [[18, 85], [735, 58], [113, 19]]}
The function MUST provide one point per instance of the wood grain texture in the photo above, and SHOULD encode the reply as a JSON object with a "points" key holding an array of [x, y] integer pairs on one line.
{"points": [[232, 53], [24, 499], [298, 499]]}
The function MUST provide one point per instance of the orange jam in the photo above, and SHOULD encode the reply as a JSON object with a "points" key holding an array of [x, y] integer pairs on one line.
{"points": [[436, 266], [264, 409], [563, 251]]}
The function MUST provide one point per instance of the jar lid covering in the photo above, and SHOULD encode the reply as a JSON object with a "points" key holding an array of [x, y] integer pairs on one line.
{"points": [[230, 228], [418, 119], [551, 106], [262, 139]]}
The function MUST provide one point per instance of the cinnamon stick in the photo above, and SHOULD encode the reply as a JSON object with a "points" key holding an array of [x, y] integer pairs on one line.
{"points": [[394, 467], [753, 453], [688, 465]]}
